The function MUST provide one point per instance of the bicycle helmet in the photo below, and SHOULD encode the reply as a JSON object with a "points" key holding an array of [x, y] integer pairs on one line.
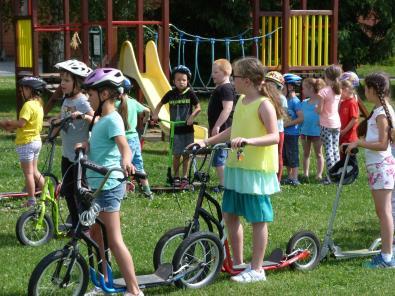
{"points": [[350, 76], [292, 79], [275, 77], [127, 85], [35, 83], [182, 69], [351, 174], [105, 77], [75, 67]]}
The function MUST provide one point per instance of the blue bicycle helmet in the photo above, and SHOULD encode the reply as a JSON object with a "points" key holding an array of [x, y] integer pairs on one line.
{"points": [[182, 69], [127, 85], [292, 79]]}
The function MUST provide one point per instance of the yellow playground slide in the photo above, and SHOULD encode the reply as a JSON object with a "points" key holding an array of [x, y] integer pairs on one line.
{"points": [[153, 82]]}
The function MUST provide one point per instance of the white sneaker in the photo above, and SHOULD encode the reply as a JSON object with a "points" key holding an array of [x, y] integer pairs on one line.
{"points": [[95, 291], [249, 276], [130, 294]]}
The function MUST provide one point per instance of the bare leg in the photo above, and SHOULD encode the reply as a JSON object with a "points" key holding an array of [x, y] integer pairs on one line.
{"points": [[235, 233], [119, 249], [317, 145], [28, 172], [176, 165], [38, 178], [382, 202], [259, 243], [220, 173], [306, 143], [185, 165]]}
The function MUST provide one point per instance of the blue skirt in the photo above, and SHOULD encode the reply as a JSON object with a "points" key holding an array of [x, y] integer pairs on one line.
{"points": [[254, 208]]}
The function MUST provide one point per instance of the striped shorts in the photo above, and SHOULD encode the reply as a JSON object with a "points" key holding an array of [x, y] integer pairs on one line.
{"points": [[29, 151]]}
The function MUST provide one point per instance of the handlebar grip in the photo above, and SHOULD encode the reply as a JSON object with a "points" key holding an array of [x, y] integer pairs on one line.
{"points": [[94, 167], [140, 176]]}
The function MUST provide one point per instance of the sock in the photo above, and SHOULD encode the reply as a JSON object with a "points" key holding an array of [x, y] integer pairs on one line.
{"points": [[386, 257], [146, 189]]}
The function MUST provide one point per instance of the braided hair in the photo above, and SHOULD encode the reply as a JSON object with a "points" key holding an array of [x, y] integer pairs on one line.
{"points": [[381, 84]]}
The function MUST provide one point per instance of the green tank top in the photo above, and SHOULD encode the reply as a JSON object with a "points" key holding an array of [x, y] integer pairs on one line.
{"points": [[247, 124]]}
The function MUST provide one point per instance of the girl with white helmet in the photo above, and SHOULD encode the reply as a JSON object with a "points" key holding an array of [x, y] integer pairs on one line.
{"points": [[108, 147], [75, 103]]}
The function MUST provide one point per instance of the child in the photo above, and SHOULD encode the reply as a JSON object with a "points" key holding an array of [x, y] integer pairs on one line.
{"points": [[184, 106], [72, 74], [108, 147], [329, 98], [310, 128], [134, 109], [28, 128], [220, 111], [275, 83], [374, 136], [291, 129], [348, 111], [249, 182]]}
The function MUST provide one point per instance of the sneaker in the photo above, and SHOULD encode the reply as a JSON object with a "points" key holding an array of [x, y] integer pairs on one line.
{"points": [[184, 183], [326, 181], [218, 189], [130, 294], [149, 195], [176, 182], [95, 291], [31, 202], [378, 262], [294, 182], [249, 276], [285, 181]]}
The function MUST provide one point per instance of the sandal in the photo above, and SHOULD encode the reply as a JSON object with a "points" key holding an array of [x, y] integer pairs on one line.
{"points": [[176, 182], [184, 183]]}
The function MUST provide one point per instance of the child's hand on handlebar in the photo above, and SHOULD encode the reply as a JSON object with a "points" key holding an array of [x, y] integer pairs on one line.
{"points": [[83, 145], [348, 147], [238, 142], [128, 168]]}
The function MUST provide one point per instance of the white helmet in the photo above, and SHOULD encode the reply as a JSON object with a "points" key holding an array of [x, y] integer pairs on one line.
{"points": [[75, 67]]}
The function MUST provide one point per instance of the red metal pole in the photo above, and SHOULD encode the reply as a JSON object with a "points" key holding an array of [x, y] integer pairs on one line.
{"points": [[255, 22], [84, 30], [285, 30], [109, 34], [66, 31], [35, 39], [140, 35], [335, 23], [165, 37]]}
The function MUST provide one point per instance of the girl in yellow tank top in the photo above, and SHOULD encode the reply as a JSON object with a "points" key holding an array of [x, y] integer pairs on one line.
{"points": [[249, 181]]}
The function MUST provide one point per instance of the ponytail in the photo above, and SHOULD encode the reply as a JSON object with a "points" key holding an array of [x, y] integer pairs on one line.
{"points": [[333, 73], [123, 111], [269, 89]]}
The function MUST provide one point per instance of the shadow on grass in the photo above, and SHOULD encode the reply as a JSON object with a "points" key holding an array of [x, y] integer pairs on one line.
{"points": [[155, 152], [7, 240]]}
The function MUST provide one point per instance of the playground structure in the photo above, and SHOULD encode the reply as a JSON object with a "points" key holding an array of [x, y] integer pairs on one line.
{"points": [[303, 41]]}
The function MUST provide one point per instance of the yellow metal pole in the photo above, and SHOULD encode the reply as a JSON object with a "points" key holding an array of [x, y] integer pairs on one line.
{"points": [[269, 46], [25, 46], [326, 41], [313, 40], [290, 42], [300, 39], [276, 40], [263, 40], [319, 55], [294, 44], [306, 40]]}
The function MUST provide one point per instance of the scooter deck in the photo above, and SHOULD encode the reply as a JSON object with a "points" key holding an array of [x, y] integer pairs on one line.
{"points": [[10, 195], [160, 277], [356, 253], [274, 259]]}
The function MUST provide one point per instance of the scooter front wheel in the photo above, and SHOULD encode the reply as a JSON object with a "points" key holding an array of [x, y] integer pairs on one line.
{"points": [[198, 260], [305, 241], [59, 274], [30, 233]]}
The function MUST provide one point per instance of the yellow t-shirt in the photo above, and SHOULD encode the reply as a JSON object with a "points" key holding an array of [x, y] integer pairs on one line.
{"points": [[32, 111], [247, 124]]}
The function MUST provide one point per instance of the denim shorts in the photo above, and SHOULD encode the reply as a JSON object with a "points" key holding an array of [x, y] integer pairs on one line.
{"points": [[110, 200], [219, 157], [29, 151], [137, 158]]}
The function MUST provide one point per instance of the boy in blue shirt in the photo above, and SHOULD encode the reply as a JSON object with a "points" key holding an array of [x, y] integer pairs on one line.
{"points": [[291, 130]]}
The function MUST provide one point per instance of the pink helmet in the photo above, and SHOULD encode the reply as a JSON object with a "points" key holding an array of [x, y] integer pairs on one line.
{"points": [[105, 77]]}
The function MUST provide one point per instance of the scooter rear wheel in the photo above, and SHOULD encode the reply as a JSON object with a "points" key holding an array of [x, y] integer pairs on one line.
{"points": [[305, 240]]}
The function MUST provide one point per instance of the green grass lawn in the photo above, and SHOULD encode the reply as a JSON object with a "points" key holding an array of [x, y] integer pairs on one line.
{"points": [[143, 222]]}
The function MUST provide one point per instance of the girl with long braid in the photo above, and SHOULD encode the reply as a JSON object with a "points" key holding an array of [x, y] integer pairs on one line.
{"points": [[375, 136]]}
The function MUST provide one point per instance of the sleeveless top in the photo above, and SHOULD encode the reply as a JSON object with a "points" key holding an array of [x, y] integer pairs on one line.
{"points": [[247, 124]]}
